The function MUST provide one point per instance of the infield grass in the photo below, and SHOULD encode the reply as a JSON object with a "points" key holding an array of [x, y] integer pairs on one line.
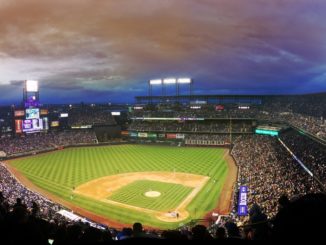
{"points": [[60, 171], [134, 194]]}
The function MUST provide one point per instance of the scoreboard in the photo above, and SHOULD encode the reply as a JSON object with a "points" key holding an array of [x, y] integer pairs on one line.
{"points": [[31, 120]]}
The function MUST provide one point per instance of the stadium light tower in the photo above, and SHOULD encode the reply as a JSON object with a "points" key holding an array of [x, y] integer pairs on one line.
{"points": [[182, 81], [151, 83], [177, 82], [168, 81], [155, 82], [31, 94]]}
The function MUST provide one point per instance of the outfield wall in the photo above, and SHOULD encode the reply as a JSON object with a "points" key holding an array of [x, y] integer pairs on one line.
{"points": [[24, 154]]}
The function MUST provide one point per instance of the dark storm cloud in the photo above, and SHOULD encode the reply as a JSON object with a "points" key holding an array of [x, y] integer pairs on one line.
{"points": [[103, 48], [19, 83]]}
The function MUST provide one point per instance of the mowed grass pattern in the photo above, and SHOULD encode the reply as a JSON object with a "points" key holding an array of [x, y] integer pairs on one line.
{"points": [[58, 172], [134, 194]]}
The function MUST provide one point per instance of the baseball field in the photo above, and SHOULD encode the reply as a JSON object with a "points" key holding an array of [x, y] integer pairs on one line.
{"points": [[159, 186]]}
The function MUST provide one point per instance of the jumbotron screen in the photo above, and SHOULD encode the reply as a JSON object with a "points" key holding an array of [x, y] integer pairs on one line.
{"points": [[32, 125], [33, 113]]}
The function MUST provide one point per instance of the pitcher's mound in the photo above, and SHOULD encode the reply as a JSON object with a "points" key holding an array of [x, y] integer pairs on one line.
{"points": [[152, 194]]}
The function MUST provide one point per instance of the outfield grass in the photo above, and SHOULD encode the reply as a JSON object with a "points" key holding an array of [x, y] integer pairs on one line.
{"points": [[134, 194], [60, 171]]}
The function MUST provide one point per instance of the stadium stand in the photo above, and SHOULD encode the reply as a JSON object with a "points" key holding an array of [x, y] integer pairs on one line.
{"points": [[313, 154], [268, 170], [45, 141], [89, 116], [264, 166], [305, 112], [285, 202]]}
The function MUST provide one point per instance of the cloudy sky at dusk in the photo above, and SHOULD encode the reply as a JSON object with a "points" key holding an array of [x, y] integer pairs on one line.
{"points": [[107, 50]]}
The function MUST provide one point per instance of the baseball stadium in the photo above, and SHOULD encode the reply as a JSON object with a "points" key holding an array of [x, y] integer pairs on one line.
{"points": [[124, 183], [163, 165], [162, 120]]}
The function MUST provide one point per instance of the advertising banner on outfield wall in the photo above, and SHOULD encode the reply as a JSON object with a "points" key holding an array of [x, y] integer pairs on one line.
{"points": [[171, 136], [242, 205], [180, 136], [142, 135], [152, 135], [125, 133], [161, 135], [133, 134]]}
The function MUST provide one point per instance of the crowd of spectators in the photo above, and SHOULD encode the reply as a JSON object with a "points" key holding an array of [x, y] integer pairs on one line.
{"points": [[209, 139], [312, 124], [269, 171], [11, 189], [26, 217], [90, 116], [275, 180], [219, 126], [306, 112], [310, 152], [44, 141]]}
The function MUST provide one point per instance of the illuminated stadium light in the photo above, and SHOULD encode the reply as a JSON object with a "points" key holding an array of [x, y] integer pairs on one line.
{"points": [[195, 107], [170, 81], [62, 115], [31, 86], [184, 80], [155, 82], [244, 107]]}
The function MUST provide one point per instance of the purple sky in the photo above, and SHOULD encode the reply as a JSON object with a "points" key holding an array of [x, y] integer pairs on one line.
{"points": [[107, 50]]}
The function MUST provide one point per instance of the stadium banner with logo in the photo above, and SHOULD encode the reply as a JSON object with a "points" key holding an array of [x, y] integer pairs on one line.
{"points": [[44, 111], [242, 205], [82, 126], [219, 107], [126, 133], [161, 135], [171, 136], [54, 124], [142, 135], [19, 126], [133, 134], [19, 113], [180, 136], [151, 135]]}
